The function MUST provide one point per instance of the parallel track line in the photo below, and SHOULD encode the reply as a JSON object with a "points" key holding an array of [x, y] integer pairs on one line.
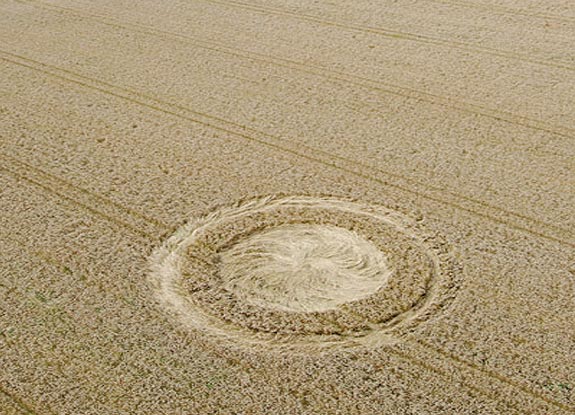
{"points": [[74, 202], [489, 375], [282, 147], [89, 193], [47, 258], [338, 76], [427, 366], [391, 34], [24, 407], [494, 375], [502, 10]]}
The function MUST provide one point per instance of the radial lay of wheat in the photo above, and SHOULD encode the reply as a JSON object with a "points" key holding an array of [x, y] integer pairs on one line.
{"points": [[304, 268]]}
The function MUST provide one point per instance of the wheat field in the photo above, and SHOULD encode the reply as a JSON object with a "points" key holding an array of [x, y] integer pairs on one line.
{"points": [[287, 207]]}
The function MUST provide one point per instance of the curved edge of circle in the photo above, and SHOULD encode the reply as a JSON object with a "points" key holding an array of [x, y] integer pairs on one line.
{"points": [[167, 261]]}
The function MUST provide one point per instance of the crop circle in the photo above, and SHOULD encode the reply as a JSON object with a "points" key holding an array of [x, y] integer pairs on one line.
{"points": [[303, 272]]}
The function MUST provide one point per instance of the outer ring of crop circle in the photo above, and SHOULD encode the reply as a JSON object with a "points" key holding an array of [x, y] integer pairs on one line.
{"points": [[168, 279], [332, 322]]}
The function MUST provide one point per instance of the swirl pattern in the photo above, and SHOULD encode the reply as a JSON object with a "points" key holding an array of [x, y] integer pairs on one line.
{"points": [[303, 272], [304, 268]]}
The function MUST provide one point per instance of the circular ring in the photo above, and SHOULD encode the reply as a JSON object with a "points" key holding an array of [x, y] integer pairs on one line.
{"points": [[303, 272]]}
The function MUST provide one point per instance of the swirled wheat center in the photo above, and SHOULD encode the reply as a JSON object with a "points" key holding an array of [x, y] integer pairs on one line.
{"points": [[303, 267]]}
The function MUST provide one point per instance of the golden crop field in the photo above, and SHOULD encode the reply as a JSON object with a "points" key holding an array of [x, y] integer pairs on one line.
{"points": [[287, 207]]}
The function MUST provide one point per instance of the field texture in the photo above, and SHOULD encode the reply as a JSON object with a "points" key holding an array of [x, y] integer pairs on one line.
{"points": [[287, 207]]}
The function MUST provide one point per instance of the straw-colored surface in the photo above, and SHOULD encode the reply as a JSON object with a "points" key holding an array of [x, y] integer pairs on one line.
{"points": [[287, 207]]}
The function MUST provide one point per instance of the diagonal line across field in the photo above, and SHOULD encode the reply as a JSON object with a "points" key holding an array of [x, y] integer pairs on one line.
{"points": [[29, 170], [90, 252], [447, 375], [502, 10], [72, 198], [489, 374], [408, 185], [21, 405], [414, 342], [333, 75], [392, 34], [519, 398], [68, 268], [444, 354], [278, 144], [415, 346]]}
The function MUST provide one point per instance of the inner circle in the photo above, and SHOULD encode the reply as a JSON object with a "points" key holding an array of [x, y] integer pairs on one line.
{"points": [[303, 268]]}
